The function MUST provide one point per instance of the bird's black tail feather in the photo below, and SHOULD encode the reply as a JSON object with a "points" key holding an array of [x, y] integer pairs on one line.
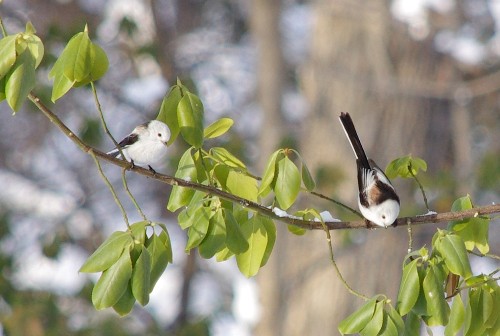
{"points": [[352, 135]]}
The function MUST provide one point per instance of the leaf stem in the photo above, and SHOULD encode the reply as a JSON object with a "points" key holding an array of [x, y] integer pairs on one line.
{"points": [[410, 236], [419, 185], [110, 186], [103, 121], [125, 186], [357, 213], [335, 266]]}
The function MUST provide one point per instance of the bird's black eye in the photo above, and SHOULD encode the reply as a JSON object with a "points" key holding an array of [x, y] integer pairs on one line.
{"points": [[159, 135], [383, 216]]}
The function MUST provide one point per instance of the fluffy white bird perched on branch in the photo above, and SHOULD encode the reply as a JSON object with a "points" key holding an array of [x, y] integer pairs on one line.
{"points": [[146, 145]]}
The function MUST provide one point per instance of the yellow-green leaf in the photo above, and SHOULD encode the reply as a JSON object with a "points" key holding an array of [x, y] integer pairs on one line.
{"points": [[457, 316], [180, 196], [113, 283], [235, 241], [287, 185], [168, 112], [20, 80], [190, 117], [242, 185], [7, 54], [108, 253], [218, 128], [409, 289], [255, 233], [141, 277]]}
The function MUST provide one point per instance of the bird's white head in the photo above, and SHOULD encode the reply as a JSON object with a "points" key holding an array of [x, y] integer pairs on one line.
{"points": [[158, 130]]}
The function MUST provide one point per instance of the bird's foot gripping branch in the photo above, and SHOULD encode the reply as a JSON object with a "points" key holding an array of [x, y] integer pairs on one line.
{"points": [[229, 212]]}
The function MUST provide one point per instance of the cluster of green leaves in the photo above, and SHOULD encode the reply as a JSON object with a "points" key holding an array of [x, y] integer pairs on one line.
{"points": [[216, 227], [423, 291], [80, 63], [406, 167], [20, 55], [131, 263]]}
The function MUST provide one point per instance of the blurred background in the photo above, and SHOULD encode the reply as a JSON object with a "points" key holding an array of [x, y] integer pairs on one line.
{"points": [[419, 77]]}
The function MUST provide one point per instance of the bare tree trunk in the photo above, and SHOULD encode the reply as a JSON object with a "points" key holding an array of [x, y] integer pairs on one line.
{"points": [[265, 18]]}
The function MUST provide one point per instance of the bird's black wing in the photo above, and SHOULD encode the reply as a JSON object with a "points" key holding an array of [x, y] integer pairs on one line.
{"points": [[129, 140]]}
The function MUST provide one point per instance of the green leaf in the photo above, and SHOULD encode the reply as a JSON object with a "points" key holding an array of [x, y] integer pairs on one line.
{"points": [[108, 253], [401, 167], [223, 255], [99, 62], [271, 237], [296, 230], [355, 322], [7, 54], [478, 311], [255, 233], [161, 255], [287, 185], [216, 236], [218, 128], [457, 316], [113, 283], [374, 325], [396, 319], [242, 185], [269, 173], [2, 89], [61, 84], [20, 80], [452, 249], [223, 156], [473, 231], [141, 277], [190, 117], [181, 196], [307, 178], [388, 326], [77, 56], [409, 288], [437, 307], [306, 175], [138, 231], [168, 112], [125, 303], [235, 241], [420, 307], [199, 228], [412, 325], [34, 45]]}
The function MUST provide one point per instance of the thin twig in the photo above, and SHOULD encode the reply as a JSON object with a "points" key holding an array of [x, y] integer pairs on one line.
{"points": [[336, 202], [479, 284], [110, 186], [306, 224], [336, 267], [410, 237], [420, 186], [103, 121], [125, 186], [489, 255], [2, 27]]}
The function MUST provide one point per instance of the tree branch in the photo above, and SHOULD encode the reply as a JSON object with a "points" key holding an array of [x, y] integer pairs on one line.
{"points": [[306, 224]]}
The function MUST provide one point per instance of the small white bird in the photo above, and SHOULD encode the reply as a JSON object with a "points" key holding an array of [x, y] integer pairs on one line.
{"points": [[146, 145], [377, 199]]}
